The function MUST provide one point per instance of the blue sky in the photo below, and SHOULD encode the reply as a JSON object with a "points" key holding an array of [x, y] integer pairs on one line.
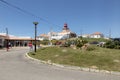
{"points": [[88, 16]]}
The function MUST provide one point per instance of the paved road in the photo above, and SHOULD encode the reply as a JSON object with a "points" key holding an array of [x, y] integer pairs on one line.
{"points": [[15, 66]]}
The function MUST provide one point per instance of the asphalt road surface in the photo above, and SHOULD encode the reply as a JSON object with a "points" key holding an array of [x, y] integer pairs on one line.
{"points": [[15, 66]]}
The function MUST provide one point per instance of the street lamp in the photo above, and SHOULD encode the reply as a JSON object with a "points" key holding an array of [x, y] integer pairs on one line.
{"points": [[35, 23]]}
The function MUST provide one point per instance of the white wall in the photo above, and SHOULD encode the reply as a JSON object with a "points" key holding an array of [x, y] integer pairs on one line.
{"points": [[59, 36], [95, 36], [2, 41]]}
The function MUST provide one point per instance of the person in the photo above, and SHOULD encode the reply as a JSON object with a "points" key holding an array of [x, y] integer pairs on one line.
{"points": [[10, 45], [30, 46]]}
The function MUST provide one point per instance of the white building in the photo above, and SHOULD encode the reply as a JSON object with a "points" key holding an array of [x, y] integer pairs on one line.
{"points": [[84, 35], [14, 40], [43, 37], [2, 40], [97, 35], [64, 34]]}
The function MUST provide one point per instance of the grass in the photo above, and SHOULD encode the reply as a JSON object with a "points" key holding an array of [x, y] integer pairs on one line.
{"points": [[95, 39], [100, 58]]}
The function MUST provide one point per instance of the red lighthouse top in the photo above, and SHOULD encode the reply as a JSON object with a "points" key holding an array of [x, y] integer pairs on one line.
{"points": [[65, 25]]}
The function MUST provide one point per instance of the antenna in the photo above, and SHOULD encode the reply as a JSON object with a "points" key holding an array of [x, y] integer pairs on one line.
{"points": [[81, 33], [109, 33], [50, 35]]}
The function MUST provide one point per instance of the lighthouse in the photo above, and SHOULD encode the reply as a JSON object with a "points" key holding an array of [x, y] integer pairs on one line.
{"points": [[66, 32], [65, 27]]}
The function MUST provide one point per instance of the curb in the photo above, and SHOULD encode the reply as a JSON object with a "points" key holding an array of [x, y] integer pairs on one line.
{"points": [[74, 67]]}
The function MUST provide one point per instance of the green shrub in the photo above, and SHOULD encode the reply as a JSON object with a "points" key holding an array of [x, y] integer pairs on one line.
{"points": [[80, 43], [66, 44], [54, 42], [45, 42], [113, 45], [91, 48]]}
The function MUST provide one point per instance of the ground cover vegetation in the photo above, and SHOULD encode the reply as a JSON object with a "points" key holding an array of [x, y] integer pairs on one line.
{"points": [[82, 53]]}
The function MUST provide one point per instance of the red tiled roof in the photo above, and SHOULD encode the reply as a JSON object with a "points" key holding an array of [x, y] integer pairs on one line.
{"points": [[97, 33], [44, 35]]}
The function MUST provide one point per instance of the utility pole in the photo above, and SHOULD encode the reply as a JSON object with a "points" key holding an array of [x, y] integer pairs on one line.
{"points": [[81, 33], [109, 33], [50, 36], [7, 37]]}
